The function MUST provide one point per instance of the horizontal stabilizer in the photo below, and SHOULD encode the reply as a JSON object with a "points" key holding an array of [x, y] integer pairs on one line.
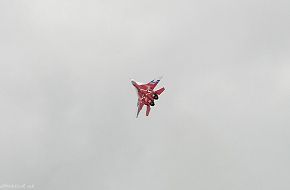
{"points": [[140, 106], [159, 91], [148, 110]]}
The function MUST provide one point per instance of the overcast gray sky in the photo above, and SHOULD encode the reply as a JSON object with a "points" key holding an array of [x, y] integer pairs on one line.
{"points": [[68, 109]]}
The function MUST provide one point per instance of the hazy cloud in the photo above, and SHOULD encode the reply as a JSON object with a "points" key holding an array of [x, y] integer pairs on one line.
{"points": [[68, 108]]}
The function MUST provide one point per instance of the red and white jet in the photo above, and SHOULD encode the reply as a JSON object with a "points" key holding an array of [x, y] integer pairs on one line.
{"points": [[147, 94]]}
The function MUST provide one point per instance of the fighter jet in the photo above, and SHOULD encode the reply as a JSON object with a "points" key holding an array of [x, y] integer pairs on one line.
{"points": [[147, 94]]}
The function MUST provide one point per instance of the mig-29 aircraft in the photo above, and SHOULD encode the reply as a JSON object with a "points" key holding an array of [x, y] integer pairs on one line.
{"points": [[146, 94]]}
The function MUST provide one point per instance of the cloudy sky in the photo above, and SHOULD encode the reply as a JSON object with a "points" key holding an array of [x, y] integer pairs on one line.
{"points": [[68, 109]]}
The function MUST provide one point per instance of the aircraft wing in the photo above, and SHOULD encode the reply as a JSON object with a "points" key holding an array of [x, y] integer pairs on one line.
{"points": [[152, 84], [140, 105]]}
